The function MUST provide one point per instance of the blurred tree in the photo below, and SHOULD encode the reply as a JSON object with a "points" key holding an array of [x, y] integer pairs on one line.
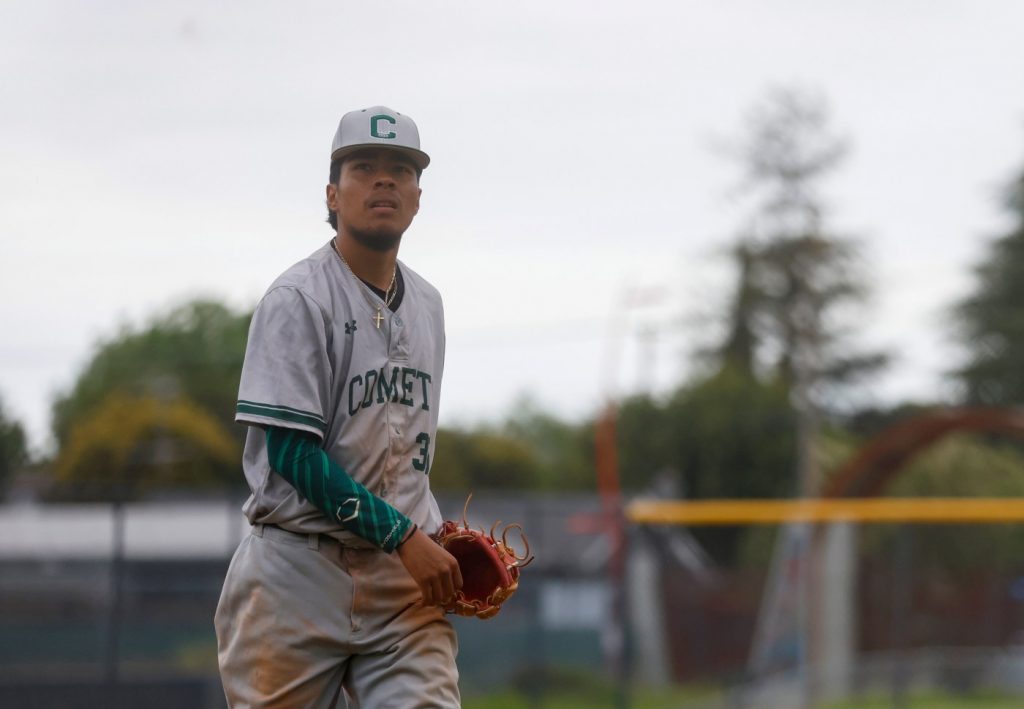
{"points": [[739, 348], [121, 429], [129, 445], [990, 322], [13, 450], [871, 421], [795, 278], [563, 452], [960, 466], [730, 435], [648, 441], [793, 274], [530, 450], [194, 352], [734, 437], [482, 459]]}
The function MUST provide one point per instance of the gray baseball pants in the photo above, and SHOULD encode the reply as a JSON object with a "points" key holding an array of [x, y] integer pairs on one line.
{"points": [[304, 621]]}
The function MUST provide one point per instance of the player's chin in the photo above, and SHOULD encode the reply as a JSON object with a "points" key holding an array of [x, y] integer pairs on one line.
{"points": [[379, 239]]}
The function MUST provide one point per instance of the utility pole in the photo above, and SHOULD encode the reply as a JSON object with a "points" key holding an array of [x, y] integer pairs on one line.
{"points": [[809, 477], [606, 460]]}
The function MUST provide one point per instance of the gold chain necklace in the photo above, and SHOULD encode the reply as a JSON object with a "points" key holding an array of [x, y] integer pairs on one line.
{"points": [[389, 295]]}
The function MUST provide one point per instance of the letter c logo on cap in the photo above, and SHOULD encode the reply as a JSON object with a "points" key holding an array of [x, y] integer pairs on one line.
{"points": [[375, 129]]}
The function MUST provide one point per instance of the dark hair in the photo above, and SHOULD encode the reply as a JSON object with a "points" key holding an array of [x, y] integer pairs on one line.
{"points": [[333, 178]]}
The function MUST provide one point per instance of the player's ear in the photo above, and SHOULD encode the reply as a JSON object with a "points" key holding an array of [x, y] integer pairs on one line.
{"points": [[419, 191], [332, 196]]}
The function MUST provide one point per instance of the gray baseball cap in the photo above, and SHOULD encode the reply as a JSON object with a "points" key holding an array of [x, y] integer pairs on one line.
{"points": [[378, 127]]}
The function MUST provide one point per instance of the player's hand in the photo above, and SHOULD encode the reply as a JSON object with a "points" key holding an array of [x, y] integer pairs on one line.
{"points": [[433, 569]]}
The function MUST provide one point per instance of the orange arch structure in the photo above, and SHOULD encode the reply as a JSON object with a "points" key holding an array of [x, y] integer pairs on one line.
{"points": [[868, 472]]}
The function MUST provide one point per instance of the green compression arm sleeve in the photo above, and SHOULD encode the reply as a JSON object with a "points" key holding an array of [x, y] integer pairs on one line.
{"points": [[297, 457]]}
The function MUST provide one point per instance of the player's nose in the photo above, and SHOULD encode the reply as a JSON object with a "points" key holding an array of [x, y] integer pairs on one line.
{"points": [[383, 178]]}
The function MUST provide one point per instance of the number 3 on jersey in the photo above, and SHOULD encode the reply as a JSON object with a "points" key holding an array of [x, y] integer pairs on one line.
{"points": [[422, 463]]}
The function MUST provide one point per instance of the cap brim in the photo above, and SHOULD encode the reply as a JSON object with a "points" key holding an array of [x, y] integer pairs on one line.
{"points": [[419, 158]]}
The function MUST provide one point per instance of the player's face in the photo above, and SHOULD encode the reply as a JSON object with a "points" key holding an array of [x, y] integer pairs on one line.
{"points": [[376, 198]]}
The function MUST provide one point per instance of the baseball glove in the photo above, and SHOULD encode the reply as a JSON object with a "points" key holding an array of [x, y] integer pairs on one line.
{"points": [[489, 567]]}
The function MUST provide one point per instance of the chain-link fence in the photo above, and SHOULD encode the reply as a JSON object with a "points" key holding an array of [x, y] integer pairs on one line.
{"points": [[112, 606]]}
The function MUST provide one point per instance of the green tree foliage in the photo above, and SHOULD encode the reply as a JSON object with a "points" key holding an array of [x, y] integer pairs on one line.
{"points": [[794, 275], [130, 445], [564, 452], [797, 279], [468, 461], [990, 322], [154, 407], [194, 352], [13, 451], [960, 466], [649, 432], [531, 450], [736, 438], [728, 436]]}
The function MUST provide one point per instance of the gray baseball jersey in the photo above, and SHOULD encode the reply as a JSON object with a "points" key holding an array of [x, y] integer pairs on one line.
{"points": [[325, 356]]}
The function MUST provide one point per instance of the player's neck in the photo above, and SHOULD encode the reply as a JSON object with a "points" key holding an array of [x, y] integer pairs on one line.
{"points": [[376, 267]]}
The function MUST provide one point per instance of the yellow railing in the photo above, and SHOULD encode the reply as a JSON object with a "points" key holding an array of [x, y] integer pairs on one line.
{"points": [[918, 510]]}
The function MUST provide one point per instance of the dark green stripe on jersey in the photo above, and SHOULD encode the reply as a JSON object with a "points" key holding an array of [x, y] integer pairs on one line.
{"points": [[282, 413], [297, 457]]}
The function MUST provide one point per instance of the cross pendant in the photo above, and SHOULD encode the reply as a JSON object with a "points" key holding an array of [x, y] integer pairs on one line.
{"points": [[378, 318]]}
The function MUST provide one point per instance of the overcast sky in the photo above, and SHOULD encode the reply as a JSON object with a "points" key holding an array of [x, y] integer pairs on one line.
{"points": [[151, 152]]}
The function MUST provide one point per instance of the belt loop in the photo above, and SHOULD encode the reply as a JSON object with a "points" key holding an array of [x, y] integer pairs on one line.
{"points": [[257, 529], [313, 542]]}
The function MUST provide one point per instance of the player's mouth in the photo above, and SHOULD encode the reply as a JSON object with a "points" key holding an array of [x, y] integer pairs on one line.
{"points": [[383, 205]]}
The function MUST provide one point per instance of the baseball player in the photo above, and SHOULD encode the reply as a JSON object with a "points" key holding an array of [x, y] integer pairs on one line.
{"points": [[337, 589]]}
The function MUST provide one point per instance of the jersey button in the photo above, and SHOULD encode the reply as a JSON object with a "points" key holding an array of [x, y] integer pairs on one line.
{"points": [[398, 321]]}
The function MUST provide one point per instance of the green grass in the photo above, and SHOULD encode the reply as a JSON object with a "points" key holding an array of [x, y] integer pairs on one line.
{"points": [[932, 701], [564, 687], [561, 687], [697, 697], [669, 699]]}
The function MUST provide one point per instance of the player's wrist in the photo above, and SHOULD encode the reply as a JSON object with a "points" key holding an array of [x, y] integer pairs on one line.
{"points": [[408, 535]]}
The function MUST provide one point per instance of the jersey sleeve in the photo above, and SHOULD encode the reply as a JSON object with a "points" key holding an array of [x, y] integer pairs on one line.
{"points": [[286, 374], [297, 457]]}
